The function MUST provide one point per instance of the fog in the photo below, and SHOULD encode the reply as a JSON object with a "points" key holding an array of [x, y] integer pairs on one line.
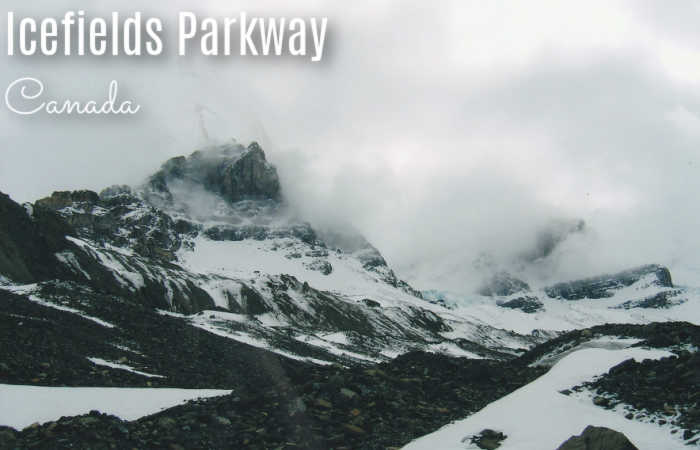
{"points": [[447, 135]]}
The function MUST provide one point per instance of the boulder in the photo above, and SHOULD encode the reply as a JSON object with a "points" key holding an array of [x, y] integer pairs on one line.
{"points": [[598, 438], [487, 439]]}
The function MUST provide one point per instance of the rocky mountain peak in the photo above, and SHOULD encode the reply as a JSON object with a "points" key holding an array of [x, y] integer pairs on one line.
{"points": [[230, 170]]}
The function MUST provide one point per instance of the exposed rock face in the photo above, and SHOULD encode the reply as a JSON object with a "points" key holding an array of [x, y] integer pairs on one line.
{"points": [[664, 299], [598, 438], [120, 218], [503, 284], [63, 199], [232, 171], [601, 286], [28, 243], [527, 304]]}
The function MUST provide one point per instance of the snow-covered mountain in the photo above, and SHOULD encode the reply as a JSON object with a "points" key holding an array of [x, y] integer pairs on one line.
{"points": [[209, 238], [206, 266]]}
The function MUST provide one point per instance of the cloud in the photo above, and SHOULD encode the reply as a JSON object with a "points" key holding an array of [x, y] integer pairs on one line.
{"points": [[442, 133]]}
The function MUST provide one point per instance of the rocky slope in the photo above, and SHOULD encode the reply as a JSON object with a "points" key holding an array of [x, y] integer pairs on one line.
{"points": [[310, 407]]}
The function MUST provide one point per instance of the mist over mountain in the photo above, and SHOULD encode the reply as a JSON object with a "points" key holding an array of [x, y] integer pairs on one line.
{"points": [[458, 147]]}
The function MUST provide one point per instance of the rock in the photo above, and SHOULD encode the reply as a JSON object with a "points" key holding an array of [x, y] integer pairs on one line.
{"points": [[7, 435], [347, 393], [297, 406], [353, 428], [604, 285], [624, 366], [324, 403], [28, 244], [371, 303], [235, 172], [321, 266], [115, 191], [527, 304], [222, 420], [88, 420], [252, 302], [61, 199], [664, 299], [487, 439], [601, 401], [598, 438]]}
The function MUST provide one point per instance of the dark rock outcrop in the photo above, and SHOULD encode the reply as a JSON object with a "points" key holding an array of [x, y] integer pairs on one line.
{"points": [[62, 199], [527, 304], [232, 171], [602, 286], [120, 218], [598, 438], [488, 439], [28, 243], [664, 299]]}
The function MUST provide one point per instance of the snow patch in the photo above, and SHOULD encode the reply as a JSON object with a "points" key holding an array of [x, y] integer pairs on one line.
{"points": [[25, 405], [113, 365]]}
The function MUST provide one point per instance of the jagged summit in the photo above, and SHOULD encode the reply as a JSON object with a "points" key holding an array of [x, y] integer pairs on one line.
{"points": [[233, 171]]}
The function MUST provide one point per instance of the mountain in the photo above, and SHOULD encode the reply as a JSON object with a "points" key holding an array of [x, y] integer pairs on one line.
{"points": [[205, 277], [209, 238]]}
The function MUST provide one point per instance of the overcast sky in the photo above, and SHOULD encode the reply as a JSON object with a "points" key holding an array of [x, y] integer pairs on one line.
{"points": [[439, 132]]}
